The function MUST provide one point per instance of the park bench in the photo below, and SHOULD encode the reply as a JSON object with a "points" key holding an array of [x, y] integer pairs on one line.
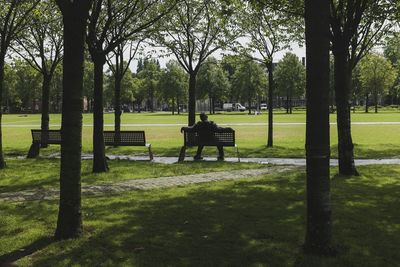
{"points": [[50, 137], [125, 138], [222, 137]]}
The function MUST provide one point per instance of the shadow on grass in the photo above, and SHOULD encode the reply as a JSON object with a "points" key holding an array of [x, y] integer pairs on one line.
{"points": [[37, 245], [257, 222]]}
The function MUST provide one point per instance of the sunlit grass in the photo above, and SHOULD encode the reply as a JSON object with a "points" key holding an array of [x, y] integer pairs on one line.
{"points": [[257, 222]]}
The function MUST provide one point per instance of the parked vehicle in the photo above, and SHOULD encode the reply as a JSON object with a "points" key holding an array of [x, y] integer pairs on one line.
{"points": [[233, 107], [263, 106]]}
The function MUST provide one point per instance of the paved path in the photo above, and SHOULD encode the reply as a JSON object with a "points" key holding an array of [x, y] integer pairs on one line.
{"points": [[145, 184], [273, 161]]}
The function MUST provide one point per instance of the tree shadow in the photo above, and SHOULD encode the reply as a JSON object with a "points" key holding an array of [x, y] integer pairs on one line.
{"points": [[36, 245]]}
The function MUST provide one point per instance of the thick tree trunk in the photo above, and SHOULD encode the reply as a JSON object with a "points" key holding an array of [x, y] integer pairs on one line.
{"points": [[117, 107], [99, 153], [69, 223], [319, 226], [376, 102], [2, 160], [270, 104], [366, 103], [45, 106], [192, 99], [342, 93]]}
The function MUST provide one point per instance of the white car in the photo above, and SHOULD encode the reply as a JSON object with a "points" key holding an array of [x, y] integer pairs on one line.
{"points": [[263, 106]]}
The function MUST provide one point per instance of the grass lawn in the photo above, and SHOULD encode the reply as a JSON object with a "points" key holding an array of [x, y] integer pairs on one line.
{"points": [[33, 174], [371, 141], [256, 222]]}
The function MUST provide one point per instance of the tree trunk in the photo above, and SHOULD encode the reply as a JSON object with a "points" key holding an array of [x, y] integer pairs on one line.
{"points": [[366, 103], [173, 106], [270, 103], [319, 226], [249, 101], [69, 223], [177, 105], [290, 105], [376, 102], [45, 106], [287, 104], [342, 92], [192, 99], [117, 107], [99, 154], [2, 59]]}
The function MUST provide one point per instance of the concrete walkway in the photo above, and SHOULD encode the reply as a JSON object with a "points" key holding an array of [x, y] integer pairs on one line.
{"points": [[146, 184], [273, 161]]}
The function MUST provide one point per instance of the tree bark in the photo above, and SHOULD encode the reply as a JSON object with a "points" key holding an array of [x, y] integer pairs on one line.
{"points": [[192, 99], [366, 103], [342, 93], [319, 226], [287, 104], [45, 107], [2, 62], [270, 103], [376, 102], [117, 106], [99, 153], [69, 223]]}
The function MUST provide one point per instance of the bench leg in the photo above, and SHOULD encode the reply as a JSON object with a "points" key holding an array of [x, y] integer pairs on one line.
{"points": [[150, 152], [182, 154], [34, 151], [237, 152]]}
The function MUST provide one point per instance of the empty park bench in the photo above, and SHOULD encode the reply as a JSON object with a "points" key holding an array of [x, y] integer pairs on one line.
{"points": [[221, 137], [39, 137], [125, 138]]}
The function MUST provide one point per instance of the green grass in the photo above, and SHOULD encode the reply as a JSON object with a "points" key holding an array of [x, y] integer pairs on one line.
{"points": [[33, 174], [371, 141], [257, 222]]}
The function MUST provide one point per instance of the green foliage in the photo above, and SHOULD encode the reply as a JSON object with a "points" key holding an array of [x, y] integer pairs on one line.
{"points": [[249, 81], [376, 74], [173, 84], [27, 85], [290, 76], [212, 81]]}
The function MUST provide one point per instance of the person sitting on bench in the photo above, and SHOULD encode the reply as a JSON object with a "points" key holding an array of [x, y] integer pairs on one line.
{"points": [[205, 128]]}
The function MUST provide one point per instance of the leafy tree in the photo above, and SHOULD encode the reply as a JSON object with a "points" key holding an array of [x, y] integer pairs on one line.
{"points": [[290, 78], [319, 224], [27, 84], [193, 31], [249, 81], [356, 26], [270, 30], [111, 23], [119, 68], [150, 75], [75, 13], [212, 81], [139, 92], [173, 85], [392, 52], [88, 83], [377, 75], [14, 16], [41, 46], [11, 101]]}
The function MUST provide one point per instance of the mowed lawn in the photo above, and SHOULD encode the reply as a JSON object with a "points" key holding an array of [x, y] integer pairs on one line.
{"points": [[249, 222], [162, 131]]}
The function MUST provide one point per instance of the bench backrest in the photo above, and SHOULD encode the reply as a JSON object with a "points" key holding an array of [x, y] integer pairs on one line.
{"points": [[126, 138], [48, 137], [222, 137]]}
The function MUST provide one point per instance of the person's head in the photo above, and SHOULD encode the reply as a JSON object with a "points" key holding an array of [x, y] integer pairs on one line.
{"points": [[203, 116]]}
